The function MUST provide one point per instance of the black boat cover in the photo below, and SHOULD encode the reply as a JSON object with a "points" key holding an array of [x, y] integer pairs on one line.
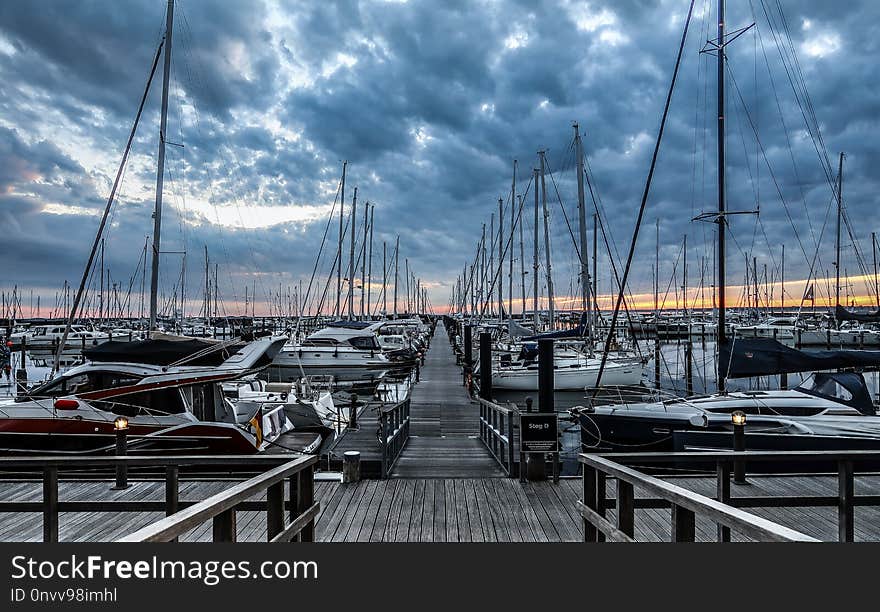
{"points": [[160, 351], [765, 356], [842, 314], [351, 324]]}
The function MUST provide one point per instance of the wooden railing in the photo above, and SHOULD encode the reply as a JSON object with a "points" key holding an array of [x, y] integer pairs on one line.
{"points": [[221, 508], [497, 425], [51, 469], [393, 434], [686, 505]]}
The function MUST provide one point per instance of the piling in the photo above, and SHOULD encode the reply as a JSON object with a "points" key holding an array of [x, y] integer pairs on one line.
{"points": [[486, 366], [351, 466]]}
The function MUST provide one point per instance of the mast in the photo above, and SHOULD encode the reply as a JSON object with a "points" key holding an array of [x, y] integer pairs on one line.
{"points": [[351, 271], [837, 243], [595, 263], [782, 292], [339, 246], [406, 272], [160, 171], [101, 301], [396, 275], [722, 221], [547, 244], [364, 257], [501, 258], [513, 213], [582, 222], [535, 259], [207, 289], [522, 261], [370, 266], [490, 271], [873, 254], [384, 281]]}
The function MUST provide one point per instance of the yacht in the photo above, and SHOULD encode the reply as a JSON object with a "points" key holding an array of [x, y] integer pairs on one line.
{"points": [[347, 350], [165, 391]]}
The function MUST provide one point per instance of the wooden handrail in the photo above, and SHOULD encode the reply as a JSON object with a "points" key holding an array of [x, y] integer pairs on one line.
{"points": [[183, 521], [686, 504], [749, 455], [64, 462]]}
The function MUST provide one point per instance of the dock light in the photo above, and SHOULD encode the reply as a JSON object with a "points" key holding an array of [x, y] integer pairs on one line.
{"points": [[120, 424], [738, 417]]}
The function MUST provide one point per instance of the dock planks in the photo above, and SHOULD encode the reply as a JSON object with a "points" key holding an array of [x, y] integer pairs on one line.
{"points": [[436, 510], [445, 425]]}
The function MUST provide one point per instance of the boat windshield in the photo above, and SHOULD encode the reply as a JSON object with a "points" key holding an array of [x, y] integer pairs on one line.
{"points": [[83, 383], [365, 343]]}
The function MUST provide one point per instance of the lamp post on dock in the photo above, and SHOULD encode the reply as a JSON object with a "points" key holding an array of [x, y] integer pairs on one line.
{"points": [[120, 425], [738, 417]]}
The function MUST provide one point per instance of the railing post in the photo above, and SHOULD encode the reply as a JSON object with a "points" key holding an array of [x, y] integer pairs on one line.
{"points": [[224, 529], [383, 442], [293, 493], [172, 490], [305, 499], [845, 492], [625, 507], [601, 481], [683, 524], [274, 510], [722, 490], [50, 504], [589, 481]]}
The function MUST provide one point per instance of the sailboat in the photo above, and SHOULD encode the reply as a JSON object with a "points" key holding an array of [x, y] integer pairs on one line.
{"points": [[829, 410]]}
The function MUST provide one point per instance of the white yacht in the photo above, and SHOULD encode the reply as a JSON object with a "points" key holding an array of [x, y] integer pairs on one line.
{"points": [[347, 350]]}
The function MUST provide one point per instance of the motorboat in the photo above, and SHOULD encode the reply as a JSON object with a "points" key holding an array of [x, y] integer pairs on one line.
{"points": [[347, 350], [570, 373], [164, 390]]}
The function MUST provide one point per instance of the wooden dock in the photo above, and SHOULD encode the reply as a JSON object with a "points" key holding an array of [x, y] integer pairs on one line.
{"points": [[444, 431], [434, 510]]}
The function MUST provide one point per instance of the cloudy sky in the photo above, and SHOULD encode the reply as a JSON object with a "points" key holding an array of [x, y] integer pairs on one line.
{"points": [[430, 103]]}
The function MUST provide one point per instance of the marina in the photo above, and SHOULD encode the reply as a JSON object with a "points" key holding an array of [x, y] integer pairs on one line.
{"points": [[490, 300]]}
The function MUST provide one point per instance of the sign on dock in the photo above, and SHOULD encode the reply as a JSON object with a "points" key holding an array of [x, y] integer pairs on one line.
{"points": [[538, 433]]}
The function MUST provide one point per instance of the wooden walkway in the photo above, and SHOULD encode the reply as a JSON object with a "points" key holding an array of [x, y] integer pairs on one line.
{"points": [[435, 510], [445, 425]]}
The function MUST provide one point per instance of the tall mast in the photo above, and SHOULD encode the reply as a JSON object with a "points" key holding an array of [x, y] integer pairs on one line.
{"points": [[873, 254], [364, 257], [522, 260], [582, 221], [406, 273], [547, 244], [513, 213], [338, 312], [595, 264], [384, 281], [722, 220], [490, 271], [396, 273], [160, 171], [481, 296], [501, 258], [370, 265], [535, 258], [837, 243], [351, 271]]}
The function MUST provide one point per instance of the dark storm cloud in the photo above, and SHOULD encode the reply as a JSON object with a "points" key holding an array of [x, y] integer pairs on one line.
{"points": [[430, 103]]}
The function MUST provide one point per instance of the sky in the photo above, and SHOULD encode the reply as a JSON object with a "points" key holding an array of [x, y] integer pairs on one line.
{"points": [[429, 103]]}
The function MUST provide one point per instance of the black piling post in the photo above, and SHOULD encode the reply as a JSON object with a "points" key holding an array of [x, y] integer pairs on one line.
{"points": [[121, 427], [739, 444], [468, 347], [353, 412], [545, 375], [486, 366]]}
